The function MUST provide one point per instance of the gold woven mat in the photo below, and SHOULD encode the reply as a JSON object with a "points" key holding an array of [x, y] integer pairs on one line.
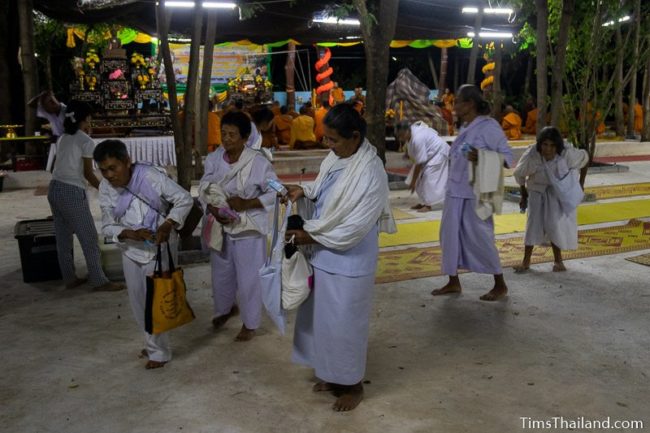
{"points": [[411, 263], [643, 259]]}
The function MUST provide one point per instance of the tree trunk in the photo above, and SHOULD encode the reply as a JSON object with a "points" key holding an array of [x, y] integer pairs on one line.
{"points": [[434, 75], [635, 68], [6, 53], [162, 21], [618, 85], [204, 93], [471, 70], [456, 73], [185, 165], [559, 62], [377, 31], [497, 97], [646, 102], [444, 59], [30, 71], [542, 34], [529, 72], [290, 76]]}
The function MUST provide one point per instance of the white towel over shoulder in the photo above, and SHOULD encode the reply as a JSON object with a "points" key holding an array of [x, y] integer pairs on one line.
{"points": [[487, 178]]}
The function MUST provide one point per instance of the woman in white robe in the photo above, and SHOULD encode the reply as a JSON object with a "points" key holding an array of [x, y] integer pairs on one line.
{"points": [[548, 220], [350, 196], [430, 154], [140, 206], [242, 176]]}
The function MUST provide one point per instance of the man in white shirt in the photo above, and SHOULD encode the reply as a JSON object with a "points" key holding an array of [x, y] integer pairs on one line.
{"points": [[50, 109]]}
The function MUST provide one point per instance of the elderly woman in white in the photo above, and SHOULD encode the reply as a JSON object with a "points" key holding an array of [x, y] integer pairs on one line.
{"points": [[140, 207], [350, 196], [550, 218]]}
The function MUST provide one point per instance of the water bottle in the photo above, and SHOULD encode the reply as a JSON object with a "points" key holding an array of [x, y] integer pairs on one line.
{"points": [[277, 186]]}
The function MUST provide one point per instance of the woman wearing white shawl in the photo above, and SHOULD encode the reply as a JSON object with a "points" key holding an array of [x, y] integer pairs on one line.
{"points": [[548, 219], [235, 189], [350, 196]]}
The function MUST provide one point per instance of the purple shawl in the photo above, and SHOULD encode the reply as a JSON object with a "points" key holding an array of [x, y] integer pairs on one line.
{"points": [[140, 186]]}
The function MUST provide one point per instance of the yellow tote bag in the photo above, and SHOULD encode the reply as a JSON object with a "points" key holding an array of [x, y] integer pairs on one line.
{"points": [[166, 304]]}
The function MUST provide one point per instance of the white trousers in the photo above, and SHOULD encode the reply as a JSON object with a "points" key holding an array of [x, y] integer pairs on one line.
{"points": [[235, 278], [157, 346]]}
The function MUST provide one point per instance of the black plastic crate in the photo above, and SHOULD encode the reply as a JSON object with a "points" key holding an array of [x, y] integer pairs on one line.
{"points": [[37, 244]]}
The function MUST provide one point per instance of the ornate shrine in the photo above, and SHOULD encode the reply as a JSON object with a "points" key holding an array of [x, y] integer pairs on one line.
{"points": [[125, 92], [250, 88]]}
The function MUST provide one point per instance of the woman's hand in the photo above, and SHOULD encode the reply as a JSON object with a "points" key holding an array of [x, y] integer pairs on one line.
{"points": [[294, 192], [238, 204], [223, 220], [301, 237], [472, 155], [164, 229], [140, 235], [523, 202]]}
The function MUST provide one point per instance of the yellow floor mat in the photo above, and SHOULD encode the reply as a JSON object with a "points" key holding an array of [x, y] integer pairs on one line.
{"points": [[428, 231], [411, 263], [399, 214], [614, 191], [643, 259]]}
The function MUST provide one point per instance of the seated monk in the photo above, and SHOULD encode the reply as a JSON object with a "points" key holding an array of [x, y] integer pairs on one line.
{"points": [[337, 94], [511, 123], [638, 117], [302, 131], [318, 120], [283, 123], [531, 122]]}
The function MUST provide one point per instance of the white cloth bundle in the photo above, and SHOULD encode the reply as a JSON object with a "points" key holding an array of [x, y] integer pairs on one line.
{"points": [[358, 201], [214, 194], [487, 177]]}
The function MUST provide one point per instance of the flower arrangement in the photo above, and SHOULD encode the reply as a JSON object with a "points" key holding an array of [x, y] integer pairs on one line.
{"points": [[91, 58], [137, 60], [143, 80], [390, 113]]}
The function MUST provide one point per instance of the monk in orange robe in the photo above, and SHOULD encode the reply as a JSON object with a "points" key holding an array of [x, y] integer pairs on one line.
{"points": [[531, 122], [283, 122], [319, 117], [638, 117], [337, 94], [302, 131], [511, 123]]}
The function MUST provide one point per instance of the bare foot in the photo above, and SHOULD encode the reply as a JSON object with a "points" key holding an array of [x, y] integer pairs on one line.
{"points": [[321, 386], [498, 292], [109, 287], [447, 289], [559, 267], [150, 365], [76, 283], [425, 208], [417, 206], [521, 269], [349, 398], [143, 354], [218, 322], [245, 334]]}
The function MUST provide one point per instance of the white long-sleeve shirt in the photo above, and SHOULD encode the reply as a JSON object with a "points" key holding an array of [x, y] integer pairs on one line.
{"points": [[256, 186], [172, 194]]}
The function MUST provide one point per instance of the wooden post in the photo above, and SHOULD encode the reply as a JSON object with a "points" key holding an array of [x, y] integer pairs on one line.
{"points": [[443, 71], [542, 33], [290, 72], [471, 70], [30, 71]]}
